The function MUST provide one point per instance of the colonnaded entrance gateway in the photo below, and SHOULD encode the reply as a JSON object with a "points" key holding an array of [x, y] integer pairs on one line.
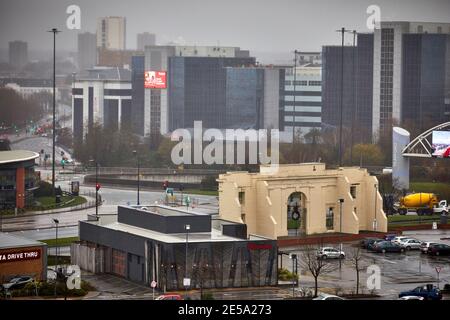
{"points": [[302, 199]]}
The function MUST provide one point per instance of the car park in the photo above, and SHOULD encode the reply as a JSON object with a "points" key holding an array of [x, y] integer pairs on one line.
{"points": [[387, 246], [330, 253], [410, 244], [428, 292], [439, 249], [325, 296], [425, 245], [17, 282]]}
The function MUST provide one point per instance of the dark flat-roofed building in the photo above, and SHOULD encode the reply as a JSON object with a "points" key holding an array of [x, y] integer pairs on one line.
{"points": [[148, 243]]}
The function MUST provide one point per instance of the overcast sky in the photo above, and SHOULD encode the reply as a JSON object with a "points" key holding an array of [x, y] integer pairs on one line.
{"points": [[258, 25]]}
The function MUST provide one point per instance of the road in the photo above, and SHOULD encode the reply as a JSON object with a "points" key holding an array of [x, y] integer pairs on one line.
{"points": [[35, 224], [37, 144]]}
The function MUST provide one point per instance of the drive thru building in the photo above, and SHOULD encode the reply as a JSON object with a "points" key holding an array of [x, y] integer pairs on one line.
{"points": [[151, 243], [22, 257]]}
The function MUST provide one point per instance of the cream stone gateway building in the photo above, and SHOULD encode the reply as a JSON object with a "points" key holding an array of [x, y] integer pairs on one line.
{"points": [[302, 199]]}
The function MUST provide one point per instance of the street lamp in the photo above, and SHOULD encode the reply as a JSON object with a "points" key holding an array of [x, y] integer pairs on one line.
{"points": [[375, 223], [341, 201], [186, 283], [56, 221], [138, 175], [293, 257], [97, 186], [54, 31]]}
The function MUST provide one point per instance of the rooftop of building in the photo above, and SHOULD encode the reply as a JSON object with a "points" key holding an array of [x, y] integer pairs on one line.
{"points": [[167, 211], [105, 73], [17, 156], [8, 240]]}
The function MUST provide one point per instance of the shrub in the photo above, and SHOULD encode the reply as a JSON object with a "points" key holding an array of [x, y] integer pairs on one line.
{"points": [[286, 275], [44, 190]]}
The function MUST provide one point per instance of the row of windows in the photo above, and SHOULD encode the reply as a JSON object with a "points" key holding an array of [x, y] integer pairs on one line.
{"points": [[303, 83], [302, 119], [302, 109]]}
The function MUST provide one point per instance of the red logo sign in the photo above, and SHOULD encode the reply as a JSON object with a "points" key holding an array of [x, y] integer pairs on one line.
{"points": [[255, 246], [155, 80], [20, 255]]}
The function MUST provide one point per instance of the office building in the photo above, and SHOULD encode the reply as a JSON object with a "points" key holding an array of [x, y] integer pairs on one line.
{"points": [[116, 58], [302, 101], [357, 88], [266, 201], [87, 51], [411, 63], [111, 33], [167, 244], [101, 95], [145, 39], [18, 54]]}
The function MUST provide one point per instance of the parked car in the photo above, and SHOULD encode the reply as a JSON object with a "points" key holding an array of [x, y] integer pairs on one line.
{"points": [[170, 297], [428, 292], [399, 239], [372, 244], [387, 246], [365, 242], [411, 298], [439, 249], [17, 283], [325, 296], [425, 245], [330, 253], [410, 244], [389, 237]]}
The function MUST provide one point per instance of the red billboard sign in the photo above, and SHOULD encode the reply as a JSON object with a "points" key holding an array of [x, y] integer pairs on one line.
{"points": [[20, 255], [155, 80], [255, 246]]}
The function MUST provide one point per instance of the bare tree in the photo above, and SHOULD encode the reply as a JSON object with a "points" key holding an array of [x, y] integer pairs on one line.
{"points": [[315, 265], [356, 262]]}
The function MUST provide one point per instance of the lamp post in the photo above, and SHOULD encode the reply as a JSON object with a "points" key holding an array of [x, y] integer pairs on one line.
{"points": [[341, 97], [355, 107], [54, 31], [293, 257], [186, 283], [138, 175], [97, 186], [56, 221], [375, 223], [341, 201]]}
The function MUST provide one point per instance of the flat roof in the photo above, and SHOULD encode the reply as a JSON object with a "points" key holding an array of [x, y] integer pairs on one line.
{"points": [[8, 240], [168, 211], [214, 236], [17, 156]]}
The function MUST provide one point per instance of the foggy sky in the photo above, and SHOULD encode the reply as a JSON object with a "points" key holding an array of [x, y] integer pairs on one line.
{"points": [[257, 25]]}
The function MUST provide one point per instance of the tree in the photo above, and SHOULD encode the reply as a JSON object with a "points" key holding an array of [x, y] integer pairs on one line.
{"points": [[315, 265], [366, 154], [356, 262]]}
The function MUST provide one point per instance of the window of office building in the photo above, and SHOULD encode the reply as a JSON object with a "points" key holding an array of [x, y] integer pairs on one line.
{"points": [[241, 197]]}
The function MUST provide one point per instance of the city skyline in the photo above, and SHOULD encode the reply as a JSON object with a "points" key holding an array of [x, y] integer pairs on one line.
{"points": [[201, 22]]}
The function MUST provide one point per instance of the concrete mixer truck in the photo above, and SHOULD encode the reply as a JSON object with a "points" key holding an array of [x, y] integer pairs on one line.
{"points": [[422, 203]]}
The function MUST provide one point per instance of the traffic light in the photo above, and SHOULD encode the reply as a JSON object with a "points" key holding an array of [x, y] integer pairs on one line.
{"points": [[97, 186]]}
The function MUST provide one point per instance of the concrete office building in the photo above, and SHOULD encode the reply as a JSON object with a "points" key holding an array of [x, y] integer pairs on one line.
{"points": [[18, 54], [302, 102], [116, 58], [22, 257], [145, 39], [266, 201], [409, 63], [111, 33], [87, 50], [145, 244], [101, 95], [17, 178]]}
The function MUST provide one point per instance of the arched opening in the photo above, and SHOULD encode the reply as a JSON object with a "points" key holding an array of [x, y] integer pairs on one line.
{"points": [[296, 214]]}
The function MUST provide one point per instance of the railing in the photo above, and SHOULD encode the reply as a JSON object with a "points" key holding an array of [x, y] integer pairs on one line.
{"points": [[130, 170]]}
